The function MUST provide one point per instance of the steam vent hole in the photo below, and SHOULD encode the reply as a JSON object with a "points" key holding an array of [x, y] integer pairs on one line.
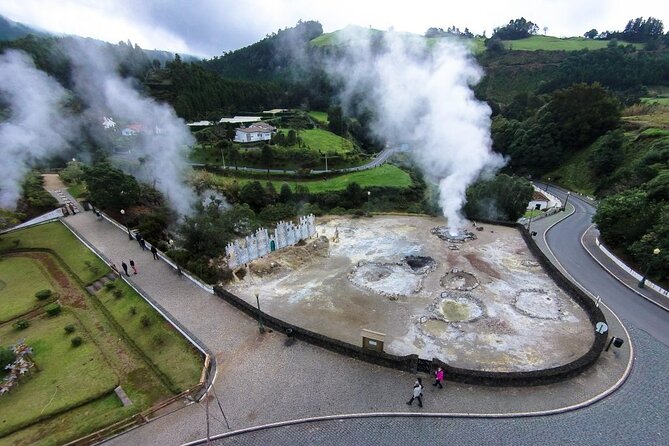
{"points": [[459, 280], [459, 236]]}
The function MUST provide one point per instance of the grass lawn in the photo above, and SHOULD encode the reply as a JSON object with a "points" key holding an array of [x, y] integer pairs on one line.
{"points": [[55, 236], [68, 376], [319, 139], [386, 175], [77, 190], [319, 116], [171, 353], [658, 100], [532, 213], [20, 279], [575, 173], [550, 43], [74, 423]]}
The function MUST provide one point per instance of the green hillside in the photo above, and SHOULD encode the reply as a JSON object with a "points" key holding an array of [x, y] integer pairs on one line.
{"points": [[550, 43]]}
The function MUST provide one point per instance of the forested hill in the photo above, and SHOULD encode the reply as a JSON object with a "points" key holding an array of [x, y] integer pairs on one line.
{"points": [[272, 58], [10, 30]]}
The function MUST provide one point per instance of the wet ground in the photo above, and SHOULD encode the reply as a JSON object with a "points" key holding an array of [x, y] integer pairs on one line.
{"points": [[482, 304]]}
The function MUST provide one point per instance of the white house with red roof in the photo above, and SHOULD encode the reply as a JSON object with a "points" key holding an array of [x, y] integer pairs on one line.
{"points": [[258, 131]]}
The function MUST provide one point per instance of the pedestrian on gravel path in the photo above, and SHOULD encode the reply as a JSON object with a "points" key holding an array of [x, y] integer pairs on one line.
{"points": [[154, 251], [132, 265], [125, 268], [438, 377], [142, 244], [417, 393]]}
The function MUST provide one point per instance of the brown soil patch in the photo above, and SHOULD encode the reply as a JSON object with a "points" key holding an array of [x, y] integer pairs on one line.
{"points": [[483, 266], [291, 258], [69, 292]]}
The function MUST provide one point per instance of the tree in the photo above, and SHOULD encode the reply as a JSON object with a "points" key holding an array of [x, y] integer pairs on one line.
{"points": [[109, 187], [624, 218], [501, 198], [591, 34], [494, 45], [271, 196], [581, 114], [516, 29], [286, 194], [266, 157], [254, 195], [233, 155], [607, 154], [291, 139], [73, 172], [336, 121], [354, 196], [640, 30]]}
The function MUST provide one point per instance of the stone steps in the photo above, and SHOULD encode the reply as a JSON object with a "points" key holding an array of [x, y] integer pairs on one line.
{"points": [[98, 284]]}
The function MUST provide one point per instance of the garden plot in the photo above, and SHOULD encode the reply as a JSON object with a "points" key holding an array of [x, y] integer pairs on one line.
{"points": [[482, 302]]}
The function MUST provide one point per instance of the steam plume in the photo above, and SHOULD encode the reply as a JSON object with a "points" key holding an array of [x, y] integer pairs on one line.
{"points": [[164, 137], [36, 127], [422, 96]]}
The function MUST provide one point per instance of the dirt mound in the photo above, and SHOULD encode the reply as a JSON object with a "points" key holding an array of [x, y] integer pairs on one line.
{"points": [[292, 258]]}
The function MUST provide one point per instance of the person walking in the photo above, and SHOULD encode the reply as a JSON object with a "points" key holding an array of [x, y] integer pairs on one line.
{"points": [[154, 251], [125, 268], [417, 393], [132, 265], [139, 239], [438, 377], [115, 269], [142, 244]]}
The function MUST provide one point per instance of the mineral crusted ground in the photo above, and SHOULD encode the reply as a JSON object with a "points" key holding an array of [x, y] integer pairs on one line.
{"points": [[514, 319]]}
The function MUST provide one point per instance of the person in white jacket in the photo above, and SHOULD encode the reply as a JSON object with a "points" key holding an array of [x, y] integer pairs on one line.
{"points": [[417, 393]]}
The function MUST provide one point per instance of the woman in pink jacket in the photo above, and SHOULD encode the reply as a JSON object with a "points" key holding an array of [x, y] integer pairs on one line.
{"points": [[438, 377]]}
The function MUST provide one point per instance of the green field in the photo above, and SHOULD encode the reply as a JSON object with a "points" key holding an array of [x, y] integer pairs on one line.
{"points": [[165, 347], [20, 279], [319, 116], [658, 100], [550, 43], [55, 236], [386, 175], [151, 363], [68, 376], [324, 141]]}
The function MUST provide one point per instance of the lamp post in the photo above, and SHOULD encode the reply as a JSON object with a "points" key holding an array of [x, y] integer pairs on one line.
{"points": [[126, 224], [369, 194], [261, 327], [566, 200], [529, 225], [642, 282]]}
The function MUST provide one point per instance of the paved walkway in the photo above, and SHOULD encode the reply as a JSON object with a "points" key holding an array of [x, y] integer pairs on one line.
{"points": [[262, 379]]}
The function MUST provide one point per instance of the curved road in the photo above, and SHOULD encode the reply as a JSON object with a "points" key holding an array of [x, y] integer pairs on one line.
{"points": [[379, 159], [564, 240]]}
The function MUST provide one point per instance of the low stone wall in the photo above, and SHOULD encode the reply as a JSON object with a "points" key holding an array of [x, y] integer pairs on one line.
{"points": [[413, 364]]}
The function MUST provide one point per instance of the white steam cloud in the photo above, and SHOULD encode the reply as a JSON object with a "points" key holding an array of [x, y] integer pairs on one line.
{"points": [[164, 137], [421, 94], [36, 126]]}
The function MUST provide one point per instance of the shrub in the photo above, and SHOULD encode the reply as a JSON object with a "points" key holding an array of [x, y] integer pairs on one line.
{"points": [[43, 294], [145, 321], [158, 340], [76, 341], [53, 309], [118, 294], [21, 324], [110, 285], [7, 356], [69, 328], [133, 311]]}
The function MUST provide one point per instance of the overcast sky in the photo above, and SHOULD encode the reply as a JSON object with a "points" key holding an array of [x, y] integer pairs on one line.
{"points": [[210, 27]]}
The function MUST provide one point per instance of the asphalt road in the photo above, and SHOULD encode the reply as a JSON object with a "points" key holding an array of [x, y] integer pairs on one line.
{"points": [[564, 240]]}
